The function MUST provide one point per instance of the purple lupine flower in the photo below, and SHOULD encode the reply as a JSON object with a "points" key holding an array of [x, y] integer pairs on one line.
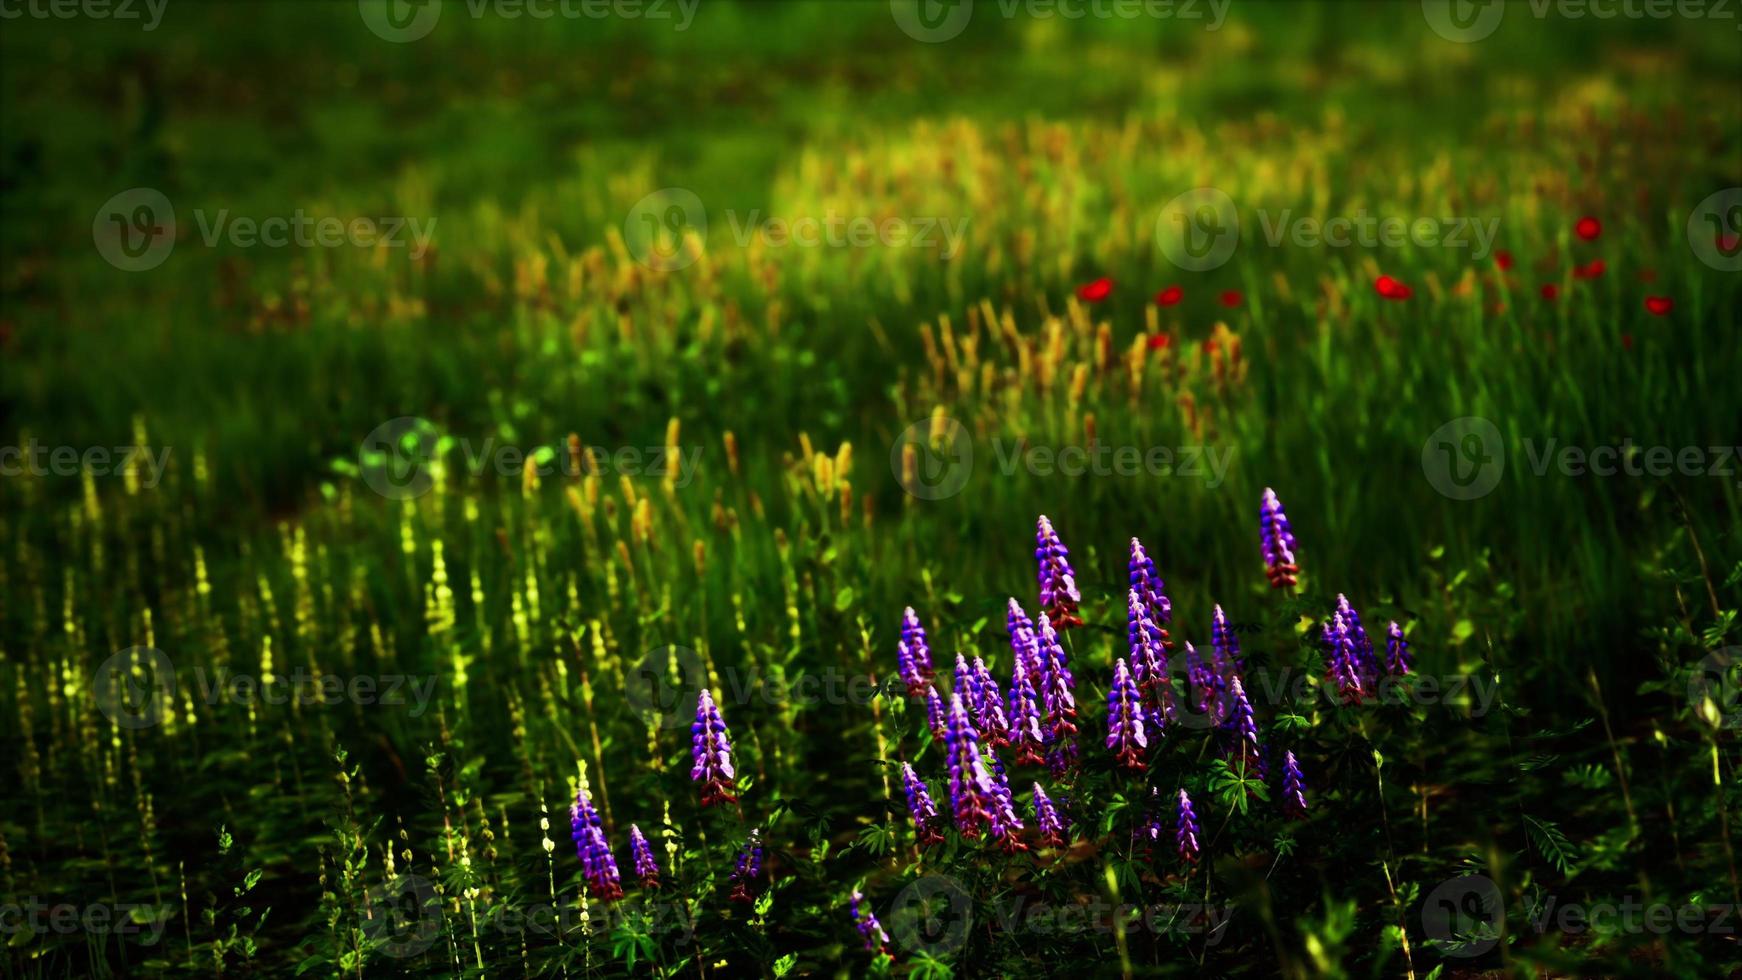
{"points": [[1006, 824], [926, 823], [934, 711], [598, 865], [1148, 585], [1148, 658], [967, 682], [1022, 640], [1341, 666], [1057, 701], [876, 940], [1058, 584], [1293, 788], [1224, 646], [1154, 815], [1203, 687], [646, 868], [1243, 728], [711, 749], [1397, 658], [1046, 815], [914, 653], [1186, 831], [1025, 731], [989, 706], [1125, 719], [1366, 663], [748, 868], [1278, 543], [972, 796]]}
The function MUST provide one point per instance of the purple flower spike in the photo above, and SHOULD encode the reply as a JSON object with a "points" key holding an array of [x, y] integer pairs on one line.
{"points": [[598, 865], [1052, 826], [1278, 543], [748, 869], [1125, 719], [1224, 647], [1058, 584], [1148, 659], [1186, 832], [876, 940], [914, 653], [1006, 824], [1397, 659], [989, 706], [1154, 814], [934, 711], [1058, 702], [972, 795], [1366, 662], [926, 822], [711, 750], [1243, 727], [1025, 729], [1022, 640], [1293, 788], [646, 868], [967, 682], [1147, 584], [1204, 687], [1342, 665]]}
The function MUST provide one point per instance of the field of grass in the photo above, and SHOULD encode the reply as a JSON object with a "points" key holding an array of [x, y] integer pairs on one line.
{"points": [[333, 574]]}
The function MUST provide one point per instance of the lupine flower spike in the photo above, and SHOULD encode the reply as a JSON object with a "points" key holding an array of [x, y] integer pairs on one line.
{"points": [[967, 682], [934, 711], [972, 797], [914, 653], [1058, 584], [1366, 662], [1125, 719], [598, 865], [1152, 590], [1293, 788], [1149, 832], [1058, 702], [1186, 832], [1022, 640], [1225, 647], [1046, 815], [1203, 684], [989, 706], [1278, 543], [1006, 824], [711, 751], [1148, 658], [1341, 663], [1397, 658], [1243, 728], [748, 869], [1025, 730], [926, 822], [876, 940], [646, 869]]}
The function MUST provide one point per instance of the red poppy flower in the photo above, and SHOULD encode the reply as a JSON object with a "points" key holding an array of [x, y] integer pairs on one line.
{"points": [[1550, 291], [1231, 298], [1503, 259], [1659, 305], [1392, 289], [1161, 341], [1169, 296], [1095, 291], [1590, 270], [1588, 228]]}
